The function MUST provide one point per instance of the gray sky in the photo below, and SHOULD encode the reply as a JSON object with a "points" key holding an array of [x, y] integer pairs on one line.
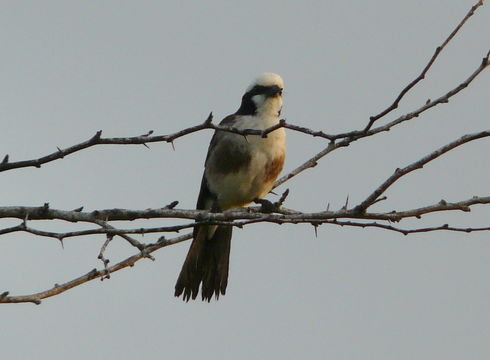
{"points": [[126, 67]]}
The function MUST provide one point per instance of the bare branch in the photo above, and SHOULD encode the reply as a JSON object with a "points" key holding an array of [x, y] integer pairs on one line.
{"points": [[371, 199], [286, 216], [421, 76], [107, 231], [444, 227], [252, 214], [352, 136], [143, 140], [91, 275], [207, 124], [269, 212]]}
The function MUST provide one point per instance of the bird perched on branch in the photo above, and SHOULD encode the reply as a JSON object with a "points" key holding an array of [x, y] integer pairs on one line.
{"points": [[238, 170]]}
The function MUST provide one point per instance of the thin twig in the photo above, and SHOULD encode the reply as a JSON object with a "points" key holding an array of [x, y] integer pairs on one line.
{"points": [[421, 76], [371, 199], [102, 258], [345, 139], [91, 275], [253, 215], [444, 227]]}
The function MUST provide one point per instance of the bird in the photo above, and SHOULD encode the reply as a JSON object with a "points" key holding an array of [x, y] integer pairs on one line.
{"points": [[239, 169]]}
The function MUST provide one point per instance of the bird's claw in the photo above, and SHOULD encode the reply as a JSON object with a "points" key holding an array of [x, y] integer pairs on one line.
{"points": [[267, 206]]}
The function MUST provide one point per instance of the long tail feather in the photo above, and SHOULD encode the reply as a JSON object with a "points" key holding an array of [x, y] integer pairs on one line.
{"points": [[207, 262]]}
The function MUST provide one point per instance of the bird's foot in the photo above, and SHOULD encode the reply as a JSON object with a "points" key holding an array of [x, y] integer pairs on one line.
{"points": [[267, 206], [270, 207]]}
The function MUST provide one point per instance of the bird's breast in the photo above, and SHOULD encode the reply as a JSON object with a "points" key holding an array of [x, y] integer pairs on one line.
{"points": [[253, 164]]}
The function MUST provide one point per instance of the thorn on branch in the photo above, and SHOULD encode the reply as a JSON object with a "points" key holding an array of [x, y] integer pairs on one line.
{"points": [[4, 295], [96, 137], [147, 134], [346, 203], [78, 209], [209, 120], [315, 225], [92, 274], [172, 205], [379, 199], [485, 61], [62, 154], [5, 159], [282, 198]]}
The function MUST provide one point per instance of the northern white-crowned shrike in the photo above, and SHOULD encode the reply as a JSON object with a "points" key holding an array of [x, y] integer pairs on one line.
{"points": [[238, 170]]}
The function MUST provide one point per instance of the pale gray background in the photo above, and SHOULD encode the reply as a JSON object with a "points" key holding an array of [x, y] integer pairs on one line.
{"points": [[71, 68]]}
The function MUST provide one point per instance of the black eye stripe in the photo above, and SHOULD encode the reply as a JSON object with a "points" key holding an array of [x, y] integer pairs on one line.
{"points": [[257, 89], [260, 89], [248, 106]]}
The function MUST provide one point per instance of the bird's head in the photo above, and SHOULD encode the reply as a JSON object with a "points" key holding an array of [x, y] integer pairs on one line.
{"points": [[263, 97]]}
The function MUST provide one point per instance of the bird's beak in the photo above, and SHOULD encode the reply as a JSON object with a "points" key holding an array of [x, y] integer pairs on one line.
{"points": [[274, 91]]}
